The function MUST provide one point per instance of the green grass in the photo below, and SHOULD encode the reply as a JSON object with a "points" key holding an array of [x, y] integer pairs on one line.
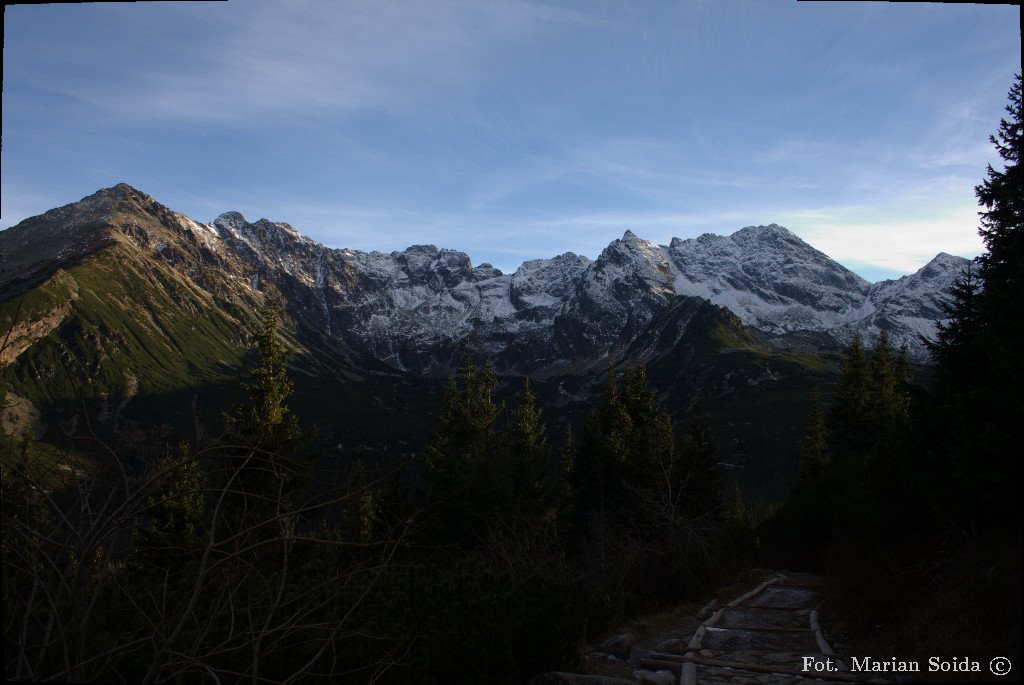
{"points": [[148, 357]]}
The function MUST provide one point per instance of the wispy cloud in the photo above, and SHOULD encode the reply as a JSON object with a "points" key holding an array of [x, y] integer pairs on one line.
{"points": [[313, 57], [649, 171], [519, 129]]}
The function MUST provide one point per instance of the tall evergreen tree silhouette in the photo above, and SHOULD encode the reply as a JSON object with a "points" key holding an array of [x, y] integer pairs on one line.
{"points": [[527, 460], [849, 422], [979, 365], [259, 475], [466, 490], [814, 453], [705, 484]]}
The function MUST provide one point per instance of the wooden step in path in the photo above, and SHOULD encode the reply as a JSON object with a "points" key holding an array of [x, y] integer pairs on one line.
{"points": [[769, 635]]}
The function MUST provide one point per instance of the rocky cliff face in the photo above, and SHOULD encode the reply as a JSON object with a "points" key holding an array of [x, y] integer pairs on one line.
{"points": [[414, 309]]}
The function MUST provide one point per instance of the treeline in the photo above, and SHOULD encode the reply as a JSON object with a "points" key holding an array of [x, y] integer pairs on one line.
{"points": [[909, 498], [535, 546], [860, 478], [636, 514], [249, 558]]}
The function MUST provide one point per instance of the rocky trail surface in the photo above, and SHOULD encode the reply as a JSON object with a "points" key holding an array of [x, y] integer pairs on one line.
{"points": [[770, 634]]}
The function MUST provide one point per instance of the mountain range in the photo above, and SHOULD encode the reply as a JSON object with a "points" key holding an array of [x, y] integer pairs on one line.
{"points": [[414, 309], [121, 296]]}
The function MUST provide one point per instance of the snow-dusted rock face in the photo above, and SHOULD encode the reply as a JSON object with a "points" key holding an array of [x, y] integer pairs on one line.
{"points": [[771, 279], [775, 282], [616, 298], [415, 309], [768, 277], [907, 308]]}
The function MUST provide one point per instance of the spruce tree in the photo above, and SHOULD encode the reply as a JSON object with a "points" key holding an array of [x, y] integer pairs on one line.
{"points": [[637, 396], [264, 421], [883, 387], [175, 511], [360, 522], [466, 485], [979, 367], [259, 475], [602, 482], [528, 462], [704, 489], [736, 511], [814, 453], [849, 415], [956, 349], [567, 472], [663, 483], [1001, 196]]}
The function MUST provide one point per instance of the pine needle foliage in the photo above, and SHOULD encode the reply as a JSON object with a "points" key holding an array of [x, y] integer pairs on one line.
{"points": [[979, 366], [814, 453]]}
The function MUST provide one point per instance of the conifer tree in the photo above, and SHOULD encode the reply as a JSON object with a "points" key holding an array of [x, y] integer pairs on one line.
{"points": [[651, 427], [568, 463], [814, 453], [994, 296], [849, 415], [637, 396], [704, 480], [176, 511], [980, 369], [883, 396], [528, 461], [465, 429], [627, 450], [904, 370], [466, 487], [603, 468], [663, 484], [736, 511], [259, 474], [361, 506], [1001, 196], [956, 349], [265, 421]]}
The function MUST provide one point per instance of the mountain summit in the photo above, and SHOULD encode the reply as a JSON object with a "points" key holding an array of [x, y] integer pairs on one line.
{"points": [[415, 309]]}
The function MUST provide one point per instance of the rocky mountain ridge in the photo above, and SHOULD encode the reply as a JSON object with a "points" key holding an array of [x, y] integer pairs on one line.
{"points": [[414, 309]]}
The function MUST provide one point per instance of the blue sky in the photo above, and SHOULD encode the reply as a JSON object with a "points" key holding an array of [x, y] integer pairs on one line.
{"points": [[521, 130]]}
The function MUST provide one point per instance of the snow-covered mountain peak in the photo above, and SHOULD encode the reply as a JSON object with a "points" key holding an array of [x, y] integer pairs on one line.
{"points": [[634, 242], [908, 307], [942, 263], [122, 192], [485, 270], [270, 227], [762, 230], [632, 249], [414, 308], [419, 260], [234, 222]]}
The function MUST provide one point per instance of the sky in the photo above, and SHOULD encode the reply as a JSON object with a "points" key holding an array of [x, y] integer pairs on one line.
{"points": [[521, 130]]}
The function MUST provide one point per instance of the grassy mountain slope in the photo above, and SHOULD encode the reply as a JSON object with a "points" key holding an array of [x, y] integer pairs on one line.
{"points": [[122, 312], [121, 321]]}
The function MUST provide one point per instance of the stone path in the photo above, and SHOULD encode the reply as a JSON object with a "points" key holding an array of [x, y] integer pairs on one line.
{"points": [[769, 635], [759, 637]]}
